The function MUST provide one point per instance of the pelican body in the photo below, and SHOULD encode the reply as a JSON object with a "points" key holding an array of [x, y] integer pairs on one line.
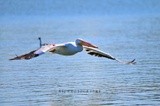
{"points": [[68, 49]]}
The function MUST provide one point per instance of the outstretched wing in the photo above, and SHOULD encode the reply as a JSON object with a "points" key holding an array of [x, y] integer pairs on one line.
{"points": [[34, 53], [99, 53]]}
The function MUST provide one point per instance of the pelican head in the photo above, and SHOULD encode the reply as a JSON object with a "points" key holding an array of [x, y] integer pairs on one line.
{"points": [[84, 43]]}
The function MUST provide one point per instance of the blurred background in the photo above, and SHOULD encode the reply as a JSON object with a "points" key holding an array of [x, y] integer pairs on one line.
{"points": [[126, 29], [79, 7]]}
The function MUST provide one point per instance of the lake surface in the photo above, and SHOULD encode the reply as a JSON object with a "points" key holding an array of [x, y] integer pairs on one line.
{"points": [[82, 80]]}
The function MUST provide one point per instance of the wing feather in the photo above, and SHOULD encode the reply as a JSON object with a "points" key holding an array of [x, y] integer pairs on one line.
{"points": [[99, 53], [34, 53]]}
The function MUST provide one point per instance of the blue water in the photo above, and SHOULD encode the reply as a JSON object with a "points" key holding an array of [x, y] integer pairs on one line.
{"points": [[54, 80], [127, 29], [79, 7]]}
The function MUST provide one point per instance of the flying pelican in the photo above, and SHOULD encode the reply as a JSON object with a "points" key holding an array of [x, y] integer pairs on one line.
{"points": [[69, 49]]}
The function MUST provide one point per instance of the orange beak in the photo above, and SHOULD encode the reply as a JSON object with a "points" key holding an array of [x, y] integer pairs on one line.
{"points": [[88, 44]]}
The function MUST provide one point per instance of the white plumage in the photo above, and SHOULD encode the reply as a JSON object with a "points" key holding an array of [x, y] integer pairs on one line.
{"points": [[68, 49]]}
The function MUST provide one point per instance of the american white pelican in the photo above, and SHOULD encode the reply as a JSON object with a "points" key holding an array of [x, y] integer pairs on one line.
{"points": [[68, 49]]}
